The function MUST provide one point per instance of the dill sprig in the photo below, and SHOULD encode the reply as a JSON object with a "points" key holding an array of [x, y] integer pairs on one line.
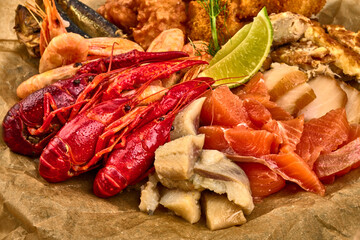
{"points": [[213, 9]]}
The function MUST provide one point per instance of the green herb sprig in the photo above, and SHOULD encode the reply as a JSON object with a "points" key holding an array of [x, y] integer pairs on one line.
{"points": [[213, 9]]}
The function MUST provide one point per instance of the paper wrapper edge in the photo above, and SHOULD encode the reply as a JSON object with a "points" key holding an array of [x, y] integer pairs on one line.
{"points": [[31, 208]]}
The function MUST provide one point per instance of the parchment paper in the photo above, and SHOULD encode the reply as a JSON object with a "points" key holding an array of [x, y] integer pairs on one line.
{"points": [[31, 208]]}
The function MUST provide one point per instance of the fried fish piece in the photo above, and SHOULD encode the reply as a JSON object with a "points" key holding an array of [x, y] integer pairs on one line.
{"points": [[288, 27], [239, 12], [303, 7], [156, 16], [198, 24], [304, 54], [247, 9], [123, 13], [345, 37], [345, 58]]}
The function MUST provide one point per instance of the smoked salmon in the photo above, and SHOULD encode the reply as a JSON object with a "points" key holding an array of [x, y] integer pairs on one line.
{"points": [[263, 181], [223, 108], [339, 162], [249, 142], [323, 135], [288, 131]]}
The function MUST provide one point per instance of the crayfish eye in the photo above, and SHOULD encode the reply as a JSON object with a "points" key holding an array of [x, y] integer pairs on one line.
{"points": [[127, 108], [76, 81], [161, 119], [90, 78], [78, 64], [172, 128]]}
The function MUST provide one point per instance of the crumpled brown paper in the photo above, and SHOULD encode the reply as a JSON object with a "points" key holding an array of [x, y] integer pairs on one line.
{"points": [[343, 12], [31, 208]]}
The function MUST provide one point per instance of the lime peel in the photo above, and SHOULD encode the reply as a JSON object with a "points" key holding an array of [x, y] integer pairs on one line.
{"points": [[241, 59]]}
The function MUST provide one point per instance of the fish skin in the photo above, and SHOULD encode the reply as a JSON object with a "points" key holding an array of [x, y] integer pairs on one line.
{"points": [[88, 20], [72, 27]]}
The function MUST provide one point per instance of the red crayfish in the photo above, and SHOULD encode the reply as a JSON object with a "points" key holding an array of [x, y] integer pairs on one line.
{"points": [[40, 107], [100, 117], [126, 164], [71, 150]]}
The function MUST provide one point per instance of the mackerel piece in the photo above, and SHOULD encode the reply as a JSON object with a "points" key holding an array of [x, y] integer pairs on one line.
{"points": [[72, 26], [88, 20]]}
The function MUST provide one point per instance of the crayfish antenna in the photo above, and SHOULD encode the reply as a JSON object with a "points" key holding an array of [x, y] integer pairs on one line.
{"points": [[35, 10], [111, 56]]}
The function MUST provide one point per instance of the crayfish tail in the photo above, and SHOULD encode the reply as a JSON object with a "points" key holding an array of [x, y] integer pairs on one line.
{"points": [[109, 182], [54, 165]]}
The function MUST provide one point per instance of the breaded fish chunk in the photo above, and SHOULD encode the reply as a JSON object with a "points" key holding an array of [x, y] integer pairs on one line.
{"points": [[303, 7], [250, 8], [288, 27], [239, 12], [198, 25], [156, 16], [304, 54], [345, 58], [345, 37], [123, 13]]}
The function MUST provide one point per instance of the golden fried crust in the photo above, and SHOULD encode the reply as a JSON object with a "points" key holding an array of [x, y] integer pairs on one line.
{"points": [[241, 11], [345, 58], [123, 13], [198, 23], [304, 54], [198, 26], [249, 8], [345, 37], [304, 7], [155, 16]]}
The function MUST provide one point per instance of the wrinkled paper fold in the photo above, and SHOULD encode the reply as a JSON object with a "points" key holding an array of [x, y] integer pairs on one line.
{"points": [[31, 208]]}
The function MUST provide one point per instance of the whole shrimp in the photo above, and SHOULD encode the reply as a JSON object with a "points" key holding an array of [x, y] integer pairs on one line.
{"points": [[34, 110], [59, 48], [62, 50], [128, 163], [76, 146], [53, 25], [70, 48], [97, 66]]}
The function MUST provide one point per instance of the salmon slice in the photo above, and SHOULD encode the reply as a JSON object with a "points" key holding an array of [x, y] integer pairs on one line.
{"points": [[290, 167], [249, 142], [223, 108], [339, 162], [354, 132], [293, 168], [214, 138], [256, 89], [258, 114], [289, 132], [323, 135], [256, 85], [263, 181], [277, 113]]}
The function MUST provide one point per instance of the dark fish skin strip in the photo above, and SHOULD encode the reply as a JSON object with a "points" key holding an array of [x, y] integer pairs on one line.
{"points": [[73, 27], [88, 20]]}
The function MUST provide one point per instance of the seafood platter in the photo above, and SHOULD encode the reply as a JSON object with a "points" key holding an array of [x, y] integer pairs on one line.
{"points": [[134, 119]]}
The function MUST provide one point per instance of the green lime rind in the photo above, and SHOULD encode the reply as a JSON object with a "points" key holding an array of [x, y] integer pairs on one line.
{"points": [[238, 66], [231, 44]]}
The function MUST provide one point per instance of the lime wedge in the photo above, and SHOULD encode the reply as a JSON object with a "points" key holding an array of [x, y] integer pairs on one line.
{"points": [[245, 57], [231, 44]]}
